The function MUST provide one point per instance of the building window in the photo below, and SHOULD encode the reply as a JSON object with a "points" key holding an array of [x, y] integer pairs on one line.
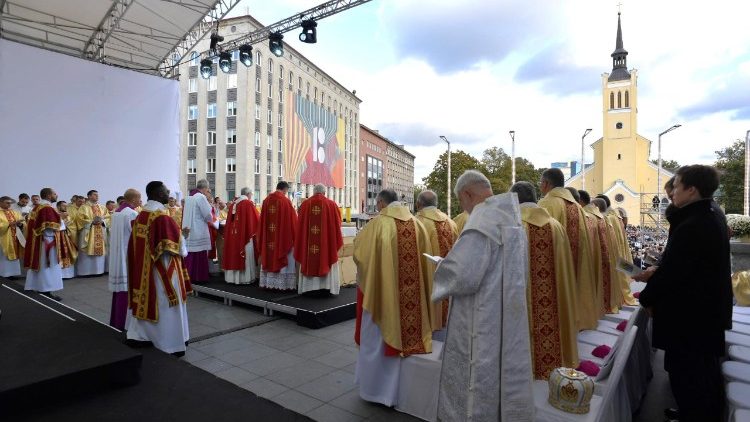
{"points": [[281, 118], [281, 72], [192, 85], [257, 166], [231, 136], [269, 142], [194, 58], [619, 99], [231, 165], [211, 83], [257, 84], [210, 138], [192, 112], [619, 197], [192, 139], [210, 165], [281, 170], [257, 138], [231, 108], [281, 145], [232, 80], [611, 100], [270, 66], [257, 111], [269, 164], [235, 55], [191, 166], [627, 99], [619, 156], [256, 195], [270, 90], [211, 111], [269, 117]]}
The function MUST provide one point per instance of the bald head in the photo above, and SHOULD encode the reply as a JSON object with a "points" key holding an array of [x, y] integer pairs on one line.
{"points": [[132, 197], [426, 198]]}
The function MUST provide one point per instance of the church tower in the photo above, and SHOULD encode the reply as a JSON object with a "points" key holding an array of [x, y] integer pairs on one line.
{"points": [[621, 169]]}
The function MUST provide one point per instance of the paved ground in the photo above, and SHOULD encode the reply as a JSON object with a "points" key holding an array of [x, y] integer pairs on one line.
{"points": [[308, 371]]}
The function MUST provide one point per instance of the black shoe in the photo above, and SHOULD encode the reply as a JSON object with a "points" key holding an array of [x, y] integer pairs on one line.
{"points": [[672, 413], [178, 354], [51, 296]]}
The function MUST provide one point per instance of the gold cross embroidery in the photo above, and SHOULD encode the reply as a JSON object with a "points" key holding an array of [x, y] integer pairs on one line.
{"points": [[272, 209], [314, 249], [315, 230], [272, 227], [316, 210]]}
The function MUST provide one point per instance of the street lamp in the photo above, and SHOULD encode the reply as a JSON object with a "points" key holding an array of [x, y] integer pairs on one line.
{"points": [[658, 175], [512, 134], [747, 173], [448, 210], [583, 160]]}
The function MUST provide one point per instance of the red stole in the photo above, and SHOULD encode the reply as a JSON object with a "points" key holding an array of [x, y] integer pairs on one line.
{"points": [[278, 224], [318, 236], [154, 232], [42, 217], [606, 269], [241, 227]]}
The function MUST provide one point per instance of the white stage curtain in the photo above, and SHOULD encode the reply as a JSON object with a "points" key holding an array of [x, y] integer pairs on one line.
{"points": [[76, 125]]}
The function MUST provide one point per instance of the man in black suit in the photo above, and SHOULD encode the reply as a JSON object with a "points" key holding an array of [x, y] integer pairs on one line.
{"points": [[694, 270]]}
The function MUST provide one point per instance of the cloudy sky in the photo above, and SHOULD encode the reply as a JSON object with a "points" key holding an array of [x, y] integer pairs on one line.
{"points": [[474, 69]]}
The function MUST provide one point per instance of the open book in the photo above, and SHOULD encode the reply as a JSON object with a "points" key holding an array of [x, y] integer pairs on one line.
{"points": [[627, 268], [431, 258]]}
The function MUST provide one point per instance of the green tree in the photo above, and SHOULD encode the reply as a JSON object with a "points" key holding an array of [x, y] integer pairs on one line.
{"points": [[499, 170], [731, 166], [436, 180], [670, 165]]}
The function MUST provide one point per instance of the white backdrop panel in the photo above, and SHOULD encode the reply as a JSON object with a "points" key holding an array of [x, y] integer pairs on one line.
{"points": [[76, 125]]}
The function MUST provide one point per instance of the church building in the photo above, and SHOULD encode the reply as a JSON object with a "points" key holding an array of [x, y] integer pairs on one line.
{"points": [[621, 168]]}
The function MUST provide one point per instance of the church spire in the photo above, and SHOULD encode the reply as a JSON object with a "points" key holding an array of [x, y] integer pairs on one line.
{"points": [[619, 57]]}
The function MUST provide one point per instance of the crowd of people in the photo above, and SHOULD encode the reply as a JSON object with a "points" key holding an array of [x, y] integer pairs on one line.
{"points": [[646, 244], [507, 284]]}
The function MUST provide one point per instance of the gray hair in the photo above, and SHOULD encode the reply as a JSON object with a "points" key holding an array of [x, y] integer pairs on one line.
{"points": [[202, 184], [471, 178], [319, 188], [427, 198], [525, 192], [623, 213], [387, 196], [246, 191], [600, 203]]}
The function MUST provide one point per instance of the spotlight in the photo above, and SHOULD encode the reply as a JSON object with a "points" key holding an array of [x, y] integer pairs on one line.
{"points": [[215, 39], [225, 61], [275, 44], [206, 68], [309, 33], [246, 55]]}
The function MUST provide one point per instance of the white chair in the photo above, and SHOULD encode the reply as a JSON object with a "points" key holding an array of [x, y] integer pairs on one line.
{"points": [[623, 315], [741, 415], [733, 337], [419, 383], [597, 338], [741, 328], [739, 353], [741, 310], [741, 318], [738, 397], [736, 371], [602, 408]]}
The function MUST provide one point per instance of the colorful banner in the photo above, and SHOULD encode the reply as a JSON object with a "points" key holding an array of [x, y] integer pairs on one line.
{"points": [[314, 143]]}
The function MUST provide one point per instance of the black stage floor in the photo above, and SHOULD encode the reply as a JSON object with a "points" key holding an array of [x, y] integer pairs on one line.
{"points": [[47, 350], [169, 389], [312, 309]]}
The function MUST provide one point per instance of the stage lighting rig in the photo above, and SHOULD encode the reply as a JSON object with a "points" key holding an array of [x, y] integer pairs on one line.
{"points": [[206, 68], [246, 54], [275, 44], [225, 61], [309, 33]]}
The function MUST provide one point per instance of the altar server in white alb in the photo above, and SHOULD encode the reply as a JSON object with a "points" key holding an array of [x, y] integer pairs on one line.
{"points": [[41, 257], [486, 373], [92, 236], [119, 235], [196, 217], [10, 249], [157, 283]]}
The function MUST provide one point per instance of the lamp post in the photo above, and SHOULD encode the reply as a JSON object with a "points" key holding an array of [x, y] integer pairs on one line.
{"points": [[658, 176], [583, 159], [448, 198], [512, 134], [747, 173]]}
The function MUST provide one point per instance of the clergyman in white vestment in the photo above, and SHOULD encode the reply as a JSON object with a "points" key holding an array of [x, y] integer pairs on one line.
{"points": [[486, 373], [119, 235]]}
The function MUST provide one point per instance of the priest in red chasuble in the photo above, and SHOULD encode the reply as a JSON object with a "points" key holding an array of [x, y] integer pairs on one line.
{"points": [[241, 252], [318, 241], [443, 233], [278, 224], [158, 284], [393, 297], [41, 255], [550, 292]]}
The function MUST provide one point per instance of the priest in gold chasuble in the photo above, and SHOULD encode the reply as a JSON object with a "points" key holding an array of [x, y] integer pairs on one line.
{"points": [[611, 292], [92, 236], [623, 249], [68, 248], [460, 221], [551, 298], [10, 249], [393, 298], [443, 232], [561, 205]]}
